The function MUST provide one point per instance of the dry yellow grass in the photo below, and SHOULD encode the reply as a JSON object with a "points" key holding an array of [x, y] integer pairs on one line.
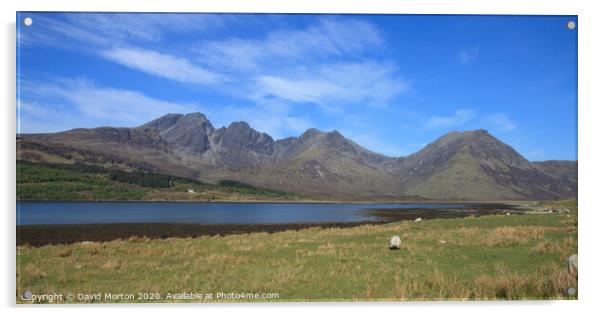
{"points": [[505, 236], [493, 257], [551, 281]]}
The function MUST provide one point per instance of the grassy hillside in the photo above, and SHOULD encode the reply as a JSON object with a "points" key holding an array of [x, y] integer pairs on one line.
{"points": [[463, 178], [491, 257], [54, 181]]}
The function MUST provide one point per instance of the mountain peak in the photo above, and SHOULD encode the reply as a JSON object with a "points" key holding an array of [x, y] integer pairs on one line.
{"points": [[335, 136], [464, 136], [475, 145], [198, 115], [478, 133], [195, 119], [241, 145], [472, 165], [170, 115], [188, 132], [239, 125], [310, 133], [170, 120], [336, 133]]}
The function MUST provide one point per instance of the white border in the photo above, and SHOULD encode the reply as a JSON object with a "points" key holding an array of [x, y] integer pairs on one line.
{"points": [[590, 156]]}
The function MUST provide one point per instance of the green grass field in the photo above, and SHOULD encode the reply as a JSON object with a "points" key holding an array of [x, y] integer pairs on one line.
{"points": [[491, 257], [77, 182]]}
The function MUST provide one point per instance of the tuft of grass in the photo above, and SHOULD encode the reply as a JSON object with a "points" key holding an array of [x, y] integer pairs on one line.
{"points": [[111, 265], [511, 236], [550, 282], [33, 272], [64, 253]]}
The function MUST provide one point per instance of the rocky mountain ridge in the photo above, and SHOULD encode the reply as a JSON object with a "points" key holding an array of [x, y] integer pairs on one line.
{"points": [[470, 165]]}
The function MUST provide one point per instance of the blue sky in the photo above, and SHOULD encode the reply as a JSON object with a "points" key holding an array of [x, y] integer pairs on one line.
{"points": [[391, 83]]}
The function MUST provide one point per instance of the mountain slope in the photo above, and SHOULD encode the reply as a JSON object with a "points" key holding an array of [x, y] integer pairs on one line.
{"points": [[139, 148], [320, 164], [470, 165], [475, 165]]}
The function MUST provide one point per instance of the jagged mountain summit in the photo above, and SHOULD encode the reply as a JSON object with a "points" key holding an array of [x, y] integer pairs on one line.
{"points": [[471, 165]]}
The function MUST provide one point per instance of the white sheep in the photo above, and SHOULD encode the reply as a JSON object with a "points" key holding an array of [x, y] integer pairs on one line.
{"points": [[394, 243], [418, 220], [571, 264]]}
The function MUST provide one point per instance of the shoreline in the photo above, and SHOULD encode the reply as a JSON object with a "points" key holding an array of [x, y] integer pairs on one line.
{"points": [[41, 235], [490, 202]]}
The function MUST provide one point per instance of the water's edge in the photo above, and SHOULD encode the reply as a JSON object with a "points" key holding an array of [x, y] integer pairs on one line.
{"points": [[47, 213], [40, 235]]}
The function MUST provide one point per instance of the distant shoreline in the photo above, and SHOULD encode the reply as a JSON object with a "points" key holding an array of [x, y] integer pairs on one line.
{"points": [[490, 202], [40, 235]]}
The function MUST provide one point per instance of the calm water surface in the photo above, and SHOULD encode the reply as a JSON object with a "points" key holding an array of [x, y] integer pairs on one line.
{"points": [[199, 213]]}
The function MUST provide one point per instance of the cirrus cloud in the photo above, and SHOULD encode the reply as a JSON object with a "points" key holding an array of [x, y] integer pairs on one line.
{"points": [[162, 65], [326, 38], [85, 104], [370, 82]]}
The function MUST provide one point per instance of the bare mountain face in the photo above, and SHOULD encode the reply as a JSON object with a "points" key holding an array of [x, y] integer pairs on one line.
{"points": [[475, 165], [188, 133], [471, 165]]}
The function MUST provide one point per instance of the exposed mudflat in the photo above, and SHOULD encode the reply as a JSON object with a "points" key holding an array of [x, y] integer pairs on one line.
{"points": [[394, 214], [39, 235]]}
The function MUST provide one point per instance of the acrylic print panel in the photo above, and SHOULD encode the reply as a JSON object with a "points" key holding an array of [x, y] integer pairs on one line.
{"points": [[275, 158]]}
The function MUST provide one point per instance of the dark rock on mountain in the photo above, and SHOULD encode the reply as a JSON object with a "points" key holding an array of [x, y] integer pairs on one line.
{"points": [[239, 145], [472, 165], [189, 133]]}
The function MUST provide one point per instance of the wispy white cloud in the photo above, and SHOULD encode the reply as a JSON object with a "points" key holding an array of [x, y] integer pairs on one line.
{"points": [[370, 82], [113, 37], [92, 30], [500, 121], [64, 102], [335, 63], [299, 90], [162, 65], [49, 31], [331, 62], [468, 55], [58, 104], [145, 27], [326, 38], [460, 117], [36, 118], [324, 63]]}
